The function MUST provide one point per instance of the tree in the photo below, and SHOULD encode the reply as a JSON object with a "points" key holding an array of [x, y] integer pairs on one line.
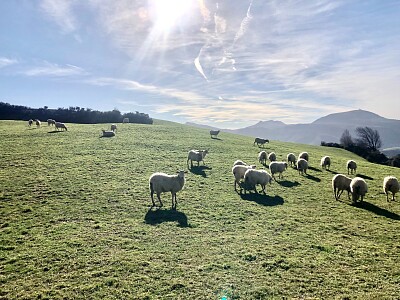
{"points": [[368, 138], [346, 140]]}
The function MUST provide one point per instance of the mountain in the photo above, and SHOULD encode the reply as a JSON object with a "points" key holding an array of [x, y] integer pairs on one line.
{"points": [[328, 128]]}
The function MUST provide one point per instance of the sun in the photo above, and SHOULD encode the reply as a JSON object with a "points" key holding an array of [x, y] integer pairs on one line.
{"points": [[168, 13]]}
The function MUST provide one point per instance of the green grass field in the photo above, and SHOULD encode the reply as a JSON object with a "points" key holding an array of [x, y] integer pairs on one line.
{"points": [[75, 220]]}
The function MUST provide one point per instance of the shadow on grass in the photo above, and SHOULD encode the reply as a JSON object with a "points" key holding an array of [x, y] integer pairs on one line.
{"points": [[263, 199], [377, 210], [158, 216], [199, 170], [216, 138], [333, 172], [364, 176], [54, 131], [313, 178], [315, 169], [288, 184]]}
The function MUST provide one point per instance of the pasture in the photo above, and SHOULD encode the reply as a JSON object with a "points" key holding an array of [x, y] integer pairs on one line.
{"points": [[75, 220]]}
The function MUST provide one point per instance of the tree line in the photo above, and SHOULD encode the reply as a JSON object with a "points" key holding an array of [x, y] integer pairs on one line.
{"points": [[70, 115], [366, 144]]}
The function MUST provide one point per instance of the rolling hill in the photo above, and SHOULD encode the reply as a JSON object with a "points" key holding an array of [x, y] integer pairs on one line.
{"points": [[76, 223]]}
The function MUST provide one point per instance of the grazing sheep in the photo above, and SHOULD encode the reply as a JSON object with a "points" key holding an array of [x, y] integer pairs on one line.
{"points": [[390, 184], [108, 133], [326, 162], [277, 167], [302, 166], [239, 163], [291, 159], [340, 183], [272, 156], [351, 165], [51, 122], [358, 188], [60, 125], [260, 141], [30, 122], [38, 123], [125, 120], [161, 183], [239, 171], [113, 127], [214, 133], [262, 157], [196, 155], [303, 155], [253, 177]]}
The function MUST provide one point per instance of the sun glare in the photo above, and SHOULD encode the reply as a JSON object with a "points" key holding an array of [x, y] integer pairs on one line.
{"points": [[168, 13]]}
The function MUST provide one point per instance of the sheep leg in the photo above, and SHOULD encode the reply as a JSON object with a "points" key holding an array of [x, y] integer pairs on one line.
{"points": [[173, 202], [159, 199], [339, 194]]}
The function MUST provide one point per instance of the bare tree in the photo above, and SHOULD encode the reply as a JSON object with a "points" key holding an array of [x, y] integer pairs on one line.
{"points": [[368, 138], [346, 139]]}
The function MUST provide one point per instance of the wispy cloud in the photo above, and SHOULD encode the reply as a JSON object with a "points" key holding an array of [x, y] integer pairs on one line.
{"points": [[54, 70], [4, 62], [60, 11]]}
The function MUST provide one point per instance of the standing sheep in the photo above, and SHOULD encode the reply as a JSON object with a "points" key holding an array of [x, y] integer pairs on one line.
{"points": [[59, 125], [253, 177], [390, 184], [303, 155], [291, 159], [214, 133], [340, 183], [30, 122], [238, 172], [239, 163], [38, 123], [161, 183], [196, 155], [302, 166], [358, 188], [351, 165], [51, 122], [113, 127], [260, 141], [272, 156], [277, 167], [326, 162], [125, 120], [262, 157]]}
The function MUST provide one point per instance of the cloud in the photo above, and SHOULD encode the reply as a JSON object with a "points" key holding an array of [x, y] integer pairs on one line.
{"points": [[60, 11], [54, 70], [4, 62]]}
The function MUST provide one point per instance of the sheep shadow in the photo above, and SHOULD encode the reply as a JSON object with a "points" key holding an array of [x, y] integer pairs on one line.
{"points": [[199, 170], [158, 216], [313, 178], [364, 176], [288, 184], [216, 138], [107, 137], [377, 210], [315, 169], [263, 199], [333, 172], [54, 131]]}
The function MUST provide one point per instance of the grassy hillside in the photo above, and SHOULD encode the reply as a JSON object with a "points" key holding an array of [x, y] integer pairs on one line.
{"points": [[75, 221]]}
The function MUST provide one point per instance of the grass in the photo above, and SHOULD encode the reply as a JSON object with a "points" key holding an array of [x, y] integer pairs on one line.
{"points": [[75, 220]]}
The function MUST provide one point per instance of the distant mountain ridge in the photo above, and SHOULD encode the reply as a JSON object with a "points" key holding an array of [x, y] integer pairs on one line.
{"points": [[328, 128]]}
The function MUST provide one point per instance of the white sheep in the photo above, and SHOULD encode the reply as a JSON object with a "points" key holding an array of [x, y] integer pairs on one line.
{"points": [[113, 127], [262, 157], [30, 122], [291, 159], [239, 163], [238, 172], [277, 167], [108, 133], [351, 165], [272, 156], [302, 165], [161, 183], [253, 177], [38, 123], [59, 125], [125, 120], [390, 184], [214, 133], [326, 162], [51, 122], [358, 188], [303, 155], [196, 155], [340, 183]]}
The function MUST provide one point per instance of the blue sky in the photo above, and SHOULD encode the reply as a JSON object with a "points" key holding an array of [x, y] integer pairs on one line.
{"points": [[227, 64]]}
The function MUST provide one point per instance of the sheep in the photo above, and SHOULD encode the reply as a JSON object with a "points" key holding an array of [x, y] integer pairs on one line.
{"points": [[51, 122], [303, 155], [351, 165], [113, 127], [277, 167], [239, 163], [262, 157], [326, 162], [125, 120], [161, 183], [38, 123], [214, 133], [390, 184], [60, 125], [239, 171], [340, 183], [260, 141], [291, 159], [253, 177], [272, 156], [196, 155], [30, 122], [108, 133], [358, 188], [302, 166]]}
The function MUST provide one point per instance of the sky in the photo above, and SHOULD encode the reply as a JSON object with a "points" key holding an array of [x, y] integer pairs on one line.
{"points": [[227, 64]]}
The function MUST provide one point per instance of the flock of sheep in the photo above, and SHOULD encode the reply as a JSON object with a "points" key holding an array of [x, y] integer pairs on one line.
{"points": [[50, 122], [247, 177]]}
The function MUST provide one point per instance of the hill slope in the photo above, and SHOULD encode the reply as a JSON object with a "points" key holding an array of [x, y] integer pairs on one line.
{"points": [[76, 224]]}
